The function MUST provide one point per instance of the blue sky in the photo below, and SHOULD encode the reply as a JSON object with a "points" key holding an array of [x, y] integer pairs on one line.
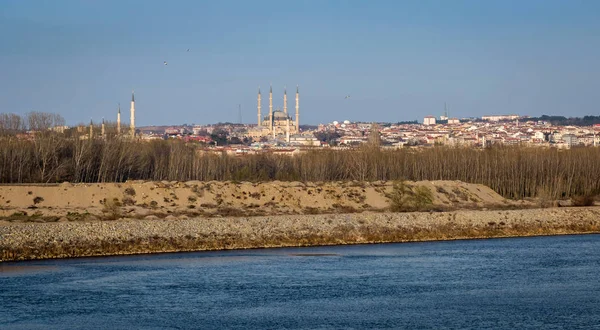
{"points": [[398, 60]]}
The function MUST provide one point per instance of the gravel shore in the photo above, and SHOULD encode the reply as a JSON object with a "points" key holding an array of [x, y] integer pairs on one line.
{"points": [[26, 241]]}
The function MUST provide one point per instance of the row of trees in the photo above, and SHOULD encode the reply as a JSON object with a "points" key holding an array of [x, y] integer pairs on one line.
{"points": [[564, 121], [515, 172], [11, 123]]}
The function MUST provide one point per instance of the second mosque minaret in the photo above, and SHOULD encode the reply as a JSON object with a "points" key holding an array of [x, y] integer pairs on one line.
{"points": [[259, 117], [119, 120], [297, 110], [132, 120]]}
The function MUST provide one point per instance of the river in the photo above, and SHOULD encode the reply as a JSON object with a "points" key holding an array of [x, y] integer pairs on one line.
{"points": [[537, 282]]}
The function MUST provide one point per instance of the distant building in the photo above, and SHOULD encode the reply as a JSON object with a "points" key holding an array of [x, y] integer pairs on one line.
{"points": [[570, 140], [453, 121], [500, 117], [304, 140], [429, 120]]}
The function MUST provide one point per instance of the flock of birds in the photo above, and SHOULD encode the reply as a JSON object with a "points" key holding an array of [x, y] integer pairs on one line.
{"points": [[165, 63]]}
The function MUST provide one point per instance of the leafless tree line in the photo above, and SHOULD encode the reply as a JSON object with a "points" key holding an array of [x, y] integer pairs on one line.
{"points": [[514, 172], [11, 123]]}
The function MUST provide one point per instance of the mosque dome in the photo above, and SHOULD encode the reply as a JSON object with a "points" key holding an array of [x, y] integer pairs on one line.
{"points": [[278, 115]]}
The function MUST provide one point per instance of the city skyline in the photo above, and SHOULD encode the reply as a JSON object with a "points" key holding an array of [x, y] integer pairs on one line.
{"points": [[197, 62]]}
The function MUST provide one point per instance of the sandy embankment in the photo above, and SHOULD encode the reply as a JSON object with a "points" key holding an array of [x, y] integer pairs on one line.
{"points": [[66, 220], [151, 200]]}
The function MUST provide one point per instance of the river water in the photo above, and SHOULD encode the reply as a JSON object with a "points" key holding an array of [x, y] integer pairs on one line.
{"points": [[540, 282]]}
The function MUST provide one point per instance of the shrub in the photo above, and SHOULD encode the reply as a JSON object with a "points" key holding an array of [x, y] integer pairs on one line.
{"points": [[461, 194], [208, 205], [582, 200], [404, 199], [230, 212], [192, 199], [197, 190], [311, 210], [423, 198], [112, 209], [398, 197], [38, 199], [128, 201], [544, 197], [130, 191]]}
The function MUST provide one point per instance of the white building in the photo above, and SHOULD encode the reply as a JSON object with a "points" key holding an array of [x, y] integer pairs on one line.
{"points": [[500, 117], [429, 120]]}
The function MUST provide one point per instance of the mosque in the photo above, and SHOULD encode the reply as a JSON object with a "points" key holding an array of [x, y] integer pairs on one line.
{"points": [[118, 130], [278, 122]]}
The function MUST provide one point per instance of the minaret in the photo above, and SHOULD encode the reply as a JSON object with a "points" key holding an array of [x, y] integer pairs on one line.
{"points": [[271, 109], [103, 131], [132, 120], [119, 120], [259, 118], [91, 129], [445, 111], [285, 100], [297, 110]]}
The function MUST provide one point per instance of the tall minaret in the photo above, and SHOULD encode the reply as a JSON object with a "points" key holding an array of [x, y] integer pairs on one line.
{"points": [[271, 109], [91, 129], [285, 100], [132, 120], [103, 131], [259, 118], [119, 120], [297, 110]]}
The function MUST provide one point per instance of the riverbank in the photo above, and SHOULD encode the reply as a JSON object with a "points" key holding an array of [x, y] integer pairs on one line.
{"points": [[27, 241]]}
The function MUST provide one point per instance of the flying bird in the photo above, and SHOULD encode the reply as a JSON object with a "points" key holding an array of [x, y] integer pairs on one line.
{"points": [[188, 49], [347, 97], [165, 62]]}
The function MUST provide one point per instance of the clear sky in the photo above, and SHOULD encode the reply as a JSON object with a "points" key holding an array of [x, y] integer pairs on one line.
{"points": [[397, 59]]}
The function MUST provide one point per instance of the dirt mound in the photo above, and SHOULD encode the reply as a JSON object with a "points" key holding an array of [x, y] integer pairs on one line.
{"points": [[139, 199]]}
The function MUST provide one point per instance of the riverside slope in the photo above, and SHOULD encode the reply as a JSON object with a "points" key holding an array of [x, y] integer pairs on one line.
{"points": [[25, 241]]}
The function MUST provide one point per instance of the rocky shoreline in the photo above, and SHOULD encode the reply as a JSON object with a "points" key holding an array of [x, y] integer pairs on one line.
{"points": [[28, 241]]}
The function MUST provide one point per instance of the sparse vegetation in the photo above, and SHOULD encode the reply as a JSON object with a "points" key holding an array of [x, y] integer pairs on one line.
{"points": [[197, 190], [582, 200], [404, 198], [130, 191], [128, 201], [544, 197], [112, 209]]}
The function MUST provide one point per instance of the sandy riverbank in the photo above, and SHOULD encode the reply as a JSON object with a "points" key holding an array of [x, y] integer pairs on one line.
{"points": [[179, 200], [24, 241]]}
